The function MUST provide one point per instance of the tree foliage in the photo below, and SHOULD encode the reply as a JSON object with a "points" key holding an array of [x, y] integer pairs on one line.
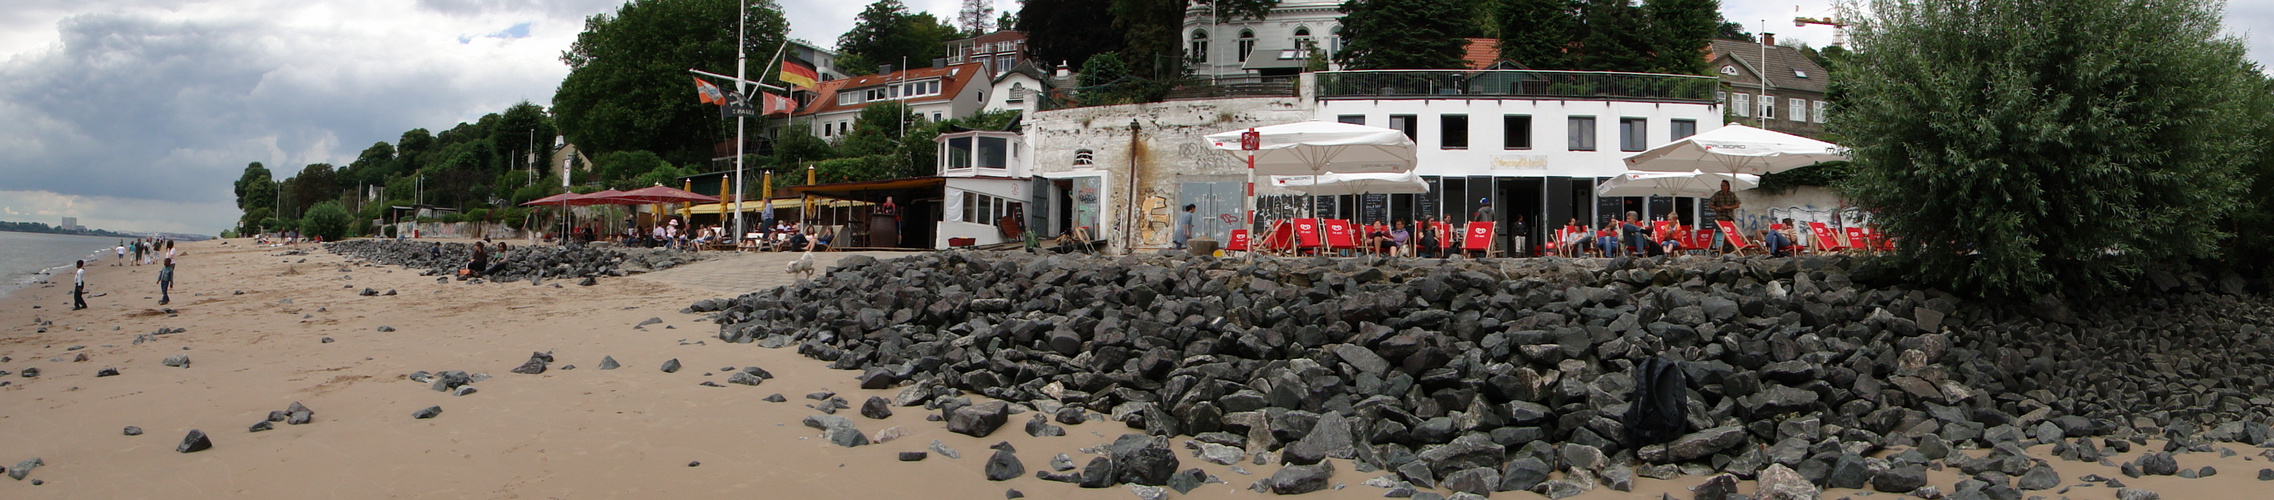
{"points": [[1402, 34], [2251, 250], [886, 33], [2033, 146], [327, 219], [1068, 31], [1659, 36], [628, 86], [256, 188], [1152, 44], [977, 17], [1535, 33]]}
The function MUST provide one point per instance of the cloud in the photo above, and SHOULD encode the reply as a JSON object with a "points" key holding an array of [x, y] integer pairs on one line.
{"points": [[163, 107], [123, 214]]}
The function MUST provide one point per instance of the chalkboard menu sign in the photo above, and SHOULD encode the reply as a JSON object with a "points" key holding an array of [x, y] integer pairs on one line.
{"points": [[1662, 207], [1608, 208], [1375, 208], [1425, 204], [1705, 215], [1326, 207]]}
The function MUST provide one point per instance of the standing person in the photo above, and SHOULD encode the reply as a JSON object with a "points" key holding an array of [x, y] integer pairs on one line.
{"points": [[139, 249], [1183, 231], [166, 283], [121, 249], [1484, 211], [1724, 204], [79, 287]]}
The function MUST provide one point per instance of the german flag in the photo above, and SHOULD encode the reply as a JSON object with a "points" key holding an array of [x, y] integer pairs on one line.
{"points": [[798, 73]]}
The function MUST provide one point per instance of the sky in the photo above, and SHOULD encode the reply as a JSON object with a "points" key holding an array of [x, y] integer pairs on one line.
{"points": [[138, 115]]}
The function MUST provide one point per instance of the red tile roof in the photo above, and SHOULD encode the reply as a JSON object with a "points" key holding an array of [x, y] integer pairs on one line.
{"points": [[1481, 52], [952, 81]]}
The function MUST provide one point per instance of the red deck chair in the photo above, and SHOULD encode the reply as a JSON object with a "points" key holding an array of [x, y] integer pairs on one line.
{"points": [[1826, 240], [1857, 240], [1338, 235], [1738, 243]]}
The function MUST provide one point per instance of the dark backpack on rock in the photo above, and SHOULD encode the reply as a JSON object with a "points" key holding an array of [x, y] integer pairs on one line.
{"points": [[1657, 410]]}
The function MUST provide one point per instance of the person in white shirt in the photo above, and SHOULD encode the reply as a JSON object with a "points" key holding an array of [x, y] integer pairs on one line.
{"points": [[79, 287], [121, 251]]}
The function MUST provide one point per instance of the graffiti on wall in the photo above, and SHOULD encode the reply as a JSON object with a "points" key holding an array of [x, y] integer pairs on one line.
{"points": [[1198, 156]]}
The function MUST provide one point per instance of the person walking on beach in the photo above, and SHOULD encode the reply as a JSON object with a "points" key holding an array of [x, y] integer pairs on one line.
{"points": [[139, 249], [79, 287], [166, 283], [121, 248]]}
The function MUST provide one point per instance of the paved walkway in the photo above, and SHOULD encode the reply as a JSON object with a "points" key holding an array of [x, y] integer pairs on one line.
{"points": [[740, 273]]}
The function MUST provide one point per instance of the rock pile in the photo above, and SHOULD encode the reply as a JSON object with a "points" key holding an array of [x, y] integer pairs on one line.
{"points": [[1480, 376], [531, 262]]}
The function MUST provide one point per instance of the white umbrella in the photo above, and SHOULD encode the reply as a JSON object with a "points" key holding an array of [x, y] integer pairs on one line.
{"points": [[1319, 147], [1342, 184], [1693, 184], [1736, 149]]}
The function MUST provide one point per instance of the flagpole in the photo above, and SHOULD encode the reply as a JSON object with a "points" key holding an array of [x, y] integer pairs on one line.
{"points": [[741, 60]]}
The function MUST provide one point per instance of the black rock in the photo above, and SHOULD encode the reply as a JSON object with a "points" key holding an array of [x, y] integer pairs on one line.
{"points": [[1040, 427], [1330, 437], [1299, 479], [978, 420], [609, 363], [1900, 479], [1012, 493], [1071, 415], [1849, 472], [694, 463], [775, 398], [1141, 460], [1099, 473], [1004, 466], [913, 456], [24, 468], [133, 431], [107, 372], [877, 408], [261, 426], [278, 415], [194, 442], [1718, 487], [2158, 464], [426, 413], [1522, 474], [671, 366]]}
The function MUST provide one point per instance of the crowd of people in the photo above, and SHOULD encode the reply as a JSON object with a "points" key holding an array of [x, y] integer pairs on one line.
{"points": [[138, 252]]}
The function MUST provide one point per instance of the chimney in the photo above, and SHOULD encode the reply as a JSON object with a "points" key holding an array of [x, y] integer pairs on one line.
{"points": [[884, 69], [1768, 39], [939, 63]]}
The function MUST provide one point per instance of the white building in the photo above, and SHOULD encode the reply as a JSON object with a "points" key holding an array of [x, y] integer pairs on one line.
{"points": [[1533, 143], [938, 93], [1021, 88], [1275, 46]]}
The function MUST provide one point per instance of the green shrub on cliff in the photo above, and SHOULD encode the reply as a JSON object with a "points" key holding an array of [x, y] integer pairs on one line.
{"points": [[327, 219]]}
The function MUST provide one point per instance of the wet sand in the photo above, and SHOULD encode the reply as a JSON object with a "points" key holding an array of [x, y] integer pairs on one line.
{"points": [[581, 433]]}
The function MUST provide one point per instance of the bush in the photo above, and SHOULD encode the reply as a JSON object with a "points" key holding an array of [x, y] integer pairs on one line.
{"points": [[327, 219], [2010, 163]]}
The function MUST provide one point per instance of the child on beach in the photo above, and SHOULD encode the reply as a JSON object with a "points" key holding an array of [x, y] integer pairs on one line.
{"points": [[166, 283]]}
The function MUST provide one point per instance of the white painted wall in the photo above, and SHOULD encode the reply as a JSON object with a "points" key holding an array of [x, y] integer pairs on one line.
{"points": [[999, 96], [1549, 154], [1276, 31]]}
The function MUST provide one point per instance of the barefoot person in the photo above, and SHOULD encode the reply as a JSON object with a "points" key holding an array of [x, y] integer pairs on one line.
{"points": [[166, 283], [79, 287]]}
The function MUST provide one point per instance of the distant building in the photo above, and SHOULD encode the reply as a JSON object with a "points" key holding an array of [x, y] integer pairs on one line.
{"points": [[1279, 45], [941, 92], [999, 51], [824, 62], [70, 224], [1793, 102]]}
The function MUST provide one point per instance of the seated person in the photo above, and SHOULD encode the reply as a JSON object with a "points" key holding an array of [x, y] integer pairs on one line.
{"points": [[797, 242], [1380, 240], [1430, 245], [1670, 238], [821, 243], [1607, 240], [1399, 237], [1779, 239]]}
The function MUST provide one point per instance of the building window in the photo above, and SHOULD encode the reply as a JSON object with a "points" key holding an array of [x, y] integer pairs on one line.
{"points": [[1799, 73], [1247, 44], [1721, 97], [935, 117], [1403, 123], [1303, 39], [1684, 128], [1799, 109], [1634, 133], [1516, 131], [1084, 157], [986, 209], [1582, 133], [1820, 109], [1004, 62], [1199, 48], [1743, 106], [1018, 92], [1768, 107], [826, 129], [848, 98], [1351, 119], [1453, 131]]}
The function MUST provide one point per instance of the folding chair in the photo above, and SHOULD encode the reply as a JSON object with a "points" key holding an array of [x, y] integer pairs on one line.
{"points": [[1826, 240], [1737, 242], [1859, 241]]}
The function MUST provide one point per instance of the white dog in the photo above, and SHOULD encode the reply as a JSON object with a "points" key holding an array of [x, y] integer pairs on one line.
{"points": [[803, 265]]}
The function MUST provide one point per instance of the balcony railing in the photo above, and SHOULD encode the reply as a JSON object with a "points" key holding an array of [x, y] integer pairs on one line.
{"points": [[1393, 84]]}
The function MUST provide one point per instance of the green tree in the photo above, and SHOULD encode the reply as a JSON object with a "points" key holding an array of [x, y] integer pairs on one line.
{"points": [[1067, 31], [977, 17], [315, 183], [251, 222], [1614, 37], [370, 167], [2251, 250], [1535, 33], [878, 129], [327, 219], [886, 33], [1402, 34], [523, 129], [1679, 32], [628, 86], [2033, 146], [625, 165], [1152, 42], [256, 188]]}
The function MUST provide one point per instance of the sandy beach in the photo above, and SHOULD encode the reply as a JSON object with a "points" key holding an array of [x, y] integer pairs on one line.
{"points": [[299, 332]]}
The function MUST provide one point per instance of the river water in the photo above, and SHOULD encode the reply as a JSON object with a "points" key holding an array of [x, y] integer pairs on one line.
{"points": [[25, 256]]}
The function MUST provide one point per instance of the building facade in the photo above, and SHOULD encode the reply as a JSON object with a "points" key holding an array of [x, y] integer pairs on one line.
{"points": [[942, 92], [1276, 46], [1793, 99], [999, 51], [823, 60], [1533, 145]]}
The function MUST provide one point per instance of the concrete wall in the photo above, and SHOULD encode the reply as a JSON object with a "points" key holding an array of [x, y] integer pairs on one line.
{"points": [[1803, 205], [1140, 172], [459, 230]]}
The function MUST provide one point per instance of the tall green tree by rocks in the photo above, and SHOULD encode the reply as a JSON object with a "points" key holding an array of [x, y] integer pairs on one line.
{"points": [[628, 86], [256, 196], [2251, 251], [1403, 34], [885, 33], [1615, 36], [2036, 146]]}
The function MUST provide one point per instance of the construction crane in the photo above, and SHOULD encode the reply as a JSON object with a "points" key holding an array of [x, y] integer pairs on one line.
{"points": [[1837, 22]]}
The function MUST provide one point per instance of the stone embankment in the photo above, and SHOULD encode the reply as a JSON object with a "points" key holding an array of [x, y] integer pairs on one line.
{"points": [[530, 262], [1483, 376]]}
